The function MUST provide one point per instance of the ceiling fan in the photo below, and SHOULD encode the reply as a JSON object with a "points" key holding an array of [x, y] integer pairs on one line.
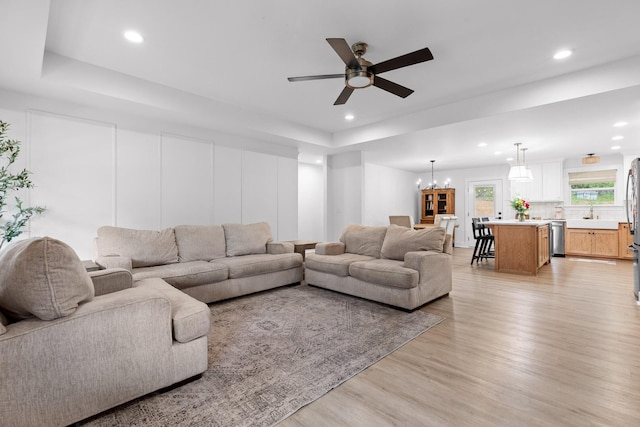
{"points": [[360, 73]]}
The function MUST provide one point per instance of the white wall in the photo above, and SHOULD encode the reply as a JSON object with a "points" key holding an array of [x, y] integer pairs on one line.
{"points": [[90, 173], [311, 202], [344, 192], [388, 191]]}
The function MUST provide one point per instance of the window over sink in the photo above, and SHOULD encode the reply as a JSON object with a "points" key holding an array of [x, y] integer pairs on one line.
{"points": [[596, 187]]}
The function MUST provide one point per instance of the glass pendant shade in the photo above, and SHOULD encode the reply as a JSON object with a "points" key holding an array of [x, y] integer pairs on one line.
{"points": [[520, 172]]}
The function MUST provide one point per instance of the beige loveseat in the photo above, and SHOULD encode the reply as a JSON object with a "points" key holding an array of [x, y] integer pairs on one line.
{"points": [[208, 262], [393, 265], [74, 344]]}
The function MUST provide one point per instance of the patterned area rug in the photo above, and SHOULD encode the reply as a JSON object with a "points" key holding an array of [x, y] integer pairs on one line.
{"points": [[274, 352]]}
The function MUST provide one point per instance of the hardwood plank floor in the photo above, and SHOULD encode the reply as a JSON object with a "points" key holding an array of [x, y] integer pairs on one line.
{"points": [[558, 349]]}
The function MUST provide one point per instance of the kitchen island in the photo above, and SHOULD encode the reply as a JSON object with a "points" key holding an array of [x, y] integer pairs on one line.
{"points": [[521, 246]]}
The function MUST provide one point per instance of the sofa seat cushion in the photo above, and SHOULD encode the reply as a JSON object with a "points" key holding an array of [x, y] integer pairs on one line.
{"points": [[253, 265], [200, 242], [363, 239], [385, 272], [144, 247], [334, 264], [42, 277], [400, 240], [185, 274]]}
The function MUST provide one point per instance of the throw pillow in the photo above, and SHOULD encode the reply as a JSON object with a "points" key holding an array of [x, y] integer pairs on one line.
{"points": [[200, 242], [363, 239], [247, 239], [146, 248], [400, 240], [42, 277]]}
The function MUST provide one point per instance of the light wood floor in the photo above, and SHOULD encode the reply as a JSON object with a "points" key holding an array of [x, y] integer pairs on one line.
{"points": [[558, 349]]}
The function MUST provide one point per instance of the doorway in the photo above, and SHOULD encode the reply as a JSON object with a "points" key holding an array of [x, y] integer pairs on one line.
{"points": [[484, 200]]}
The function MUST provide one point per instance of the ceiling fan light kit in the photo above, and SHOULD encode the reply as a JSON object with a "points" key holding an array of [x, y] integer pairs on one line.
{"points": [[360, 73]]}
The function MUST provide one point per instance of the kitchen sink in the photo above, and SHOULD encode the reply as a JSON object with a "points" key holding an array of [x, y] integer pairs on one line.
{"points": [[609, 224]]}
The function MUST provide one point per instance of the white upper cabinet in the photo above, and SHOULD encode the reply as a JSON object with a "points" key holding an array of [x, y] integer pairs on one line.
{"points": [[546, 184]]}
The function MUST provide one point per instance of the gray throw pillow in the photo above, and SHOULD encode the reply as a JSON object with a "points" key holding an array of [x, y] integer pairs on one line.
{"points": [[247, 239], [400, 240], [42, 277], [146, 248]]}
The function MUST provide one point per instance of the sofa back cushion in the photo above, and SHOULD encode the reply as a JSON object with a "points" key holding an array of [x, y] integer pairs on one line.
{"points": [[247, 239], [3, 322], [200, 242], [400, 240], [363, 239], [42, 277], [146, 248]]}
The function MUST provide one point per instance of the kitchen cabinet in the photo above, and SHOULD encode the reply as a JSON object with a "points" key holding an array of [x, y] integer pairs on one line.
{"points": [[547, 183], [437, 201], [625, 239], [552, 182], [543, 245], [591, 242], [520, 247]]}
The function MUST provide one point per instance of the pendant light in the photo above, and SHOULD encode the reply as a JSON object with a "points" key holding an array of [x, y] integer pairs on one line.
{"points": [[519, 172]]}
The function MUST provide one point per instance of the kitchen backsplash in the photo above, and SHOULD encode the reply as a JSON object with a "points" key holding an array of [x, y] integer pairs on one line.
{"points": [[547, 210]]}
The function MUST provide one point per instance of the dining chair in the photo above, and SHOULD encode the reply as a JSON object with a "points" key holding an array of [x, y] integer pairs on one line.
{"points": [[402, 220]]}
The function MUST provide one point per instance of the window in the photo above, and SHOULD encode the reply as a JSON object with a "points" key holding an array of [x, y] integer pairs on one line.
{"points": [[593, 187]]}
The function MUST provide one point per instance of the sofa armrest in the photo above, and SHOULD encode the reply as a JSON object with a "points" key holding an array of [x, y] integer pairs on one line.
{"points": [[428, 262], [111, 280], [275, 248], [191, 319], [330, 248], [114, 262]]}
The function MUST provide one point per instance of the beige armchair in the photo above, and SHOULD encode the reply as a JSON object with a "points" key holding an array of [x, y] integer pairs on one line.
{"points": [[101, 343]]}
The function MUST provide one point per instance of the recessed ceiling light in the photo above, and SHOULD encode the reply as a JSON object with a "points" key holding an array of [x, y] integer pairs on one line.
{"points": [[319, 161], [619, 124], [482, 144], [616, 147], [562, 54], [509, 159], [617, 138], [349, 117], [133, 36], [497, 153]]}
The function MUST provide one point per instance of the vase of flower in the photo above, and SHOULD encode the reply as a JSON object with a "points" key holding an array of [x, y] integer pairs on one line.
{"points": [[521, 207]]}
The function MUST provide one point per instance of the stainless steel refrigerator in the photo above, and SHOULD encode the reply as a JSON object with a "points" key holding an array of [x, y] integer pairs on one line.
{"points": [[633, 219]]}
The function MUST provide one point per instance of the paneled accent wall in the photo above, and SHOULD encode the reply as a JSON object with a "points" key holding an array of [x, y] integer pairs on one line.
{"points": [[90, 174]]}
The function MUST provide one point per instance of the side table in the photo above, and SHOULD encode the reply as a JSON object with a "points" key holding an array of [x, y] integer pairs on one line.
{"points": [[300, 246], [90, 265]]}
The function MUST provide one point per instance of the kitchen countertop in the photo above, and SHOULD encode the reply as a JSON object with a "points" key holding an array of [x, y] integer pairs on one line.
{"points": [[528, 222]]}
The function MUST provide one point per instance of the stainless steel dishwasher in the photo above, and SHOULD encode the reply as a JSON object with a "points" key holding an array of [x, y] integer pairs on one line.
{"points": [[557, 233]]}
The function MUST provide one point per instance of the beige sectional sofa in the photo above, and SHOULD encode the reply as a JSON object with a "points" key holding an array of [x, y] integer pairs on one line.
{"points": [[392, 265], [209, 263], [73, 344]]}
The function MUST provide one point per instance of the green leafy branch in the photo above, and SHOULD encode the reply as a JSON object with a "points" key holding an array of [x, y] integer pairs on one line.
{"points": [[10, 182]]}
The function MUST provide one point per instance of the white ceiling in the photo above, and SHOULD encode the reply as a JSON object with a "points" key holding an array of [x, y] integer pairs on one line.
{"points": [[223, 65]]}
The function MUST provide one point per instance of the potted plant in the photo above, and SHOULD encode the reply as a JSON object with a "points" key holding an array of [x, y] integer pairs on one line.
{"points": [[12, 183]]}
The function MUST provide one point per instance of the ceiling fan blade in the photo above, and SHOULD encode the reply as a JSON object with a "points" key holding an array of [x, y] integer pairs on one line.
{"points": [[344, 52], [320, 77], [412, 58], [392, 87], [344, 96]]}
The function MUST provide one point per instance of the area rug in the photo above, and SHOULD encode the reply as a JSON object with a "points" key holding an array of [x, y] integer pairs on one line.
{"points": [[274, 352]]}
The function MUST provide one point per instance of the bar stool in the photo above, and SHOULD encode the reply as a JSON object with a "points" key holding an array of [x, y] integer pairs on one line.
{"points": [[484, 241]]}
